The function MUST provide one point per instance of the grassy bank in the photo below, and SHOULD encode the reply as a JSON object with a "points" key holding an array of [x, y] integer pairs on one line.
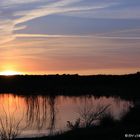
{"points": [[69, 85]]}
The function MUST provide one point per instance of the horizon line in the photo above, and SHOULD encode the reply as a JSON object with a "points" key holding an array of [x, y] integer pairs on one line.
{"points": [[67, 74]]}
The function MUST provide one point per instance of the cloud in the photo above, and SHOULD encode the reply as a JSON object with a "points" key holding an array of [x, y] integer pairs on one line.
{"points": [[129, 34], [9, 25], [6, 28], [79, 53], [54, 8], [51, 36], [76, 36], [81, 8], [9, 3], [119, 37]]}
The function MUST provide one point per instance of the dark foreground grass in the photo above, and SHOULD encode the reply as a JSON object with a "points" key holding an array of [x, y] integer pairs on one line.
{"points": [[108, 130]]}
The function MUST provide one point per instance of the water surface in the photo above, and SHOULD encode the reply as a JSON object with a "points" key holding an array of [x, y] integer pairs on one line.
{"points": [[42, 115]]}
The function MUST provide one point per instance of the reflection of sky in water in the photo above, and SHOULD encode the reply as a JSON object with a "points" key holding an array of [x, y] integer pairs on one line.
{"points": [[48, 113]]}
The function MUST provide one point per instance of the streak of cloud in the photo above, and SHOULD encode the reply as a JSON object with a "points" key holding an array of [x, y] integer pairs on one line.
{"points": [[9, 3], [52, 36], [75, 36], [57, 7]]}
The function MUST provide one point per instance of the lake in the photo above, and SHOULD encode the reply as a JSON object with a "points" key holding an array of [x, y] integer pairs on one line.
{"points": [[43, 115]]}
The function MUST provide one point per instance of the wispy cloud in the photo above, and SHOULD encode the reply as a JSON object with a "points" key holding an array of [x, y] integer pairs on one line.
{"points": [[9, 3], [6, 29], [128, 34], [60, 7], [119, 37], [51, 36], [9, 25], [76, 36], [95, 9]]}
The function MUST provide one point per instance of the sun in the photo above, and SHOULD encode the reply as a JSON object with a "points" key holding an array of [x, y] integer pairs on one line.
{"points": [[9, 73]]}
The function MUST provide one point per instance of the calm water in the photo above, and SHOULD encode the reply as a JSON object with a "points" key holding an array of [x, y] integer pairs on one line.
{"points": [[42, 115]]}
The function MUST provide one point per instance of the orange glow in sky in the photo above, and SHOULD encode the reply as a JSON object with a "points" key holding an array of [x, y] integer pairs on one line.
{"points": [[10, 72], [69, 36]]}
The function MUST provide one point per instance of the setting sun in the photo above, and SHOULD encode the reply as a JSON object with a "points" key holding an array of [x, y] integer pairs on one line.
{"points": [[9, 73]]}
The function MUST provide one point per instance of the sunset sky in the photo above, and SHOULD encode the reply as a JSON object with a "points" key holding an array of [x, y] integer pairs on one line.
{"points": [[70, 36]]}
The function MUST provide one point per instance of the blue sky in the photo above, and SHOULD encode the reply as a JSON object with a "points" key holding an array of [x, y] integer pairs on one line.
{"points": [[70, 36]]}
